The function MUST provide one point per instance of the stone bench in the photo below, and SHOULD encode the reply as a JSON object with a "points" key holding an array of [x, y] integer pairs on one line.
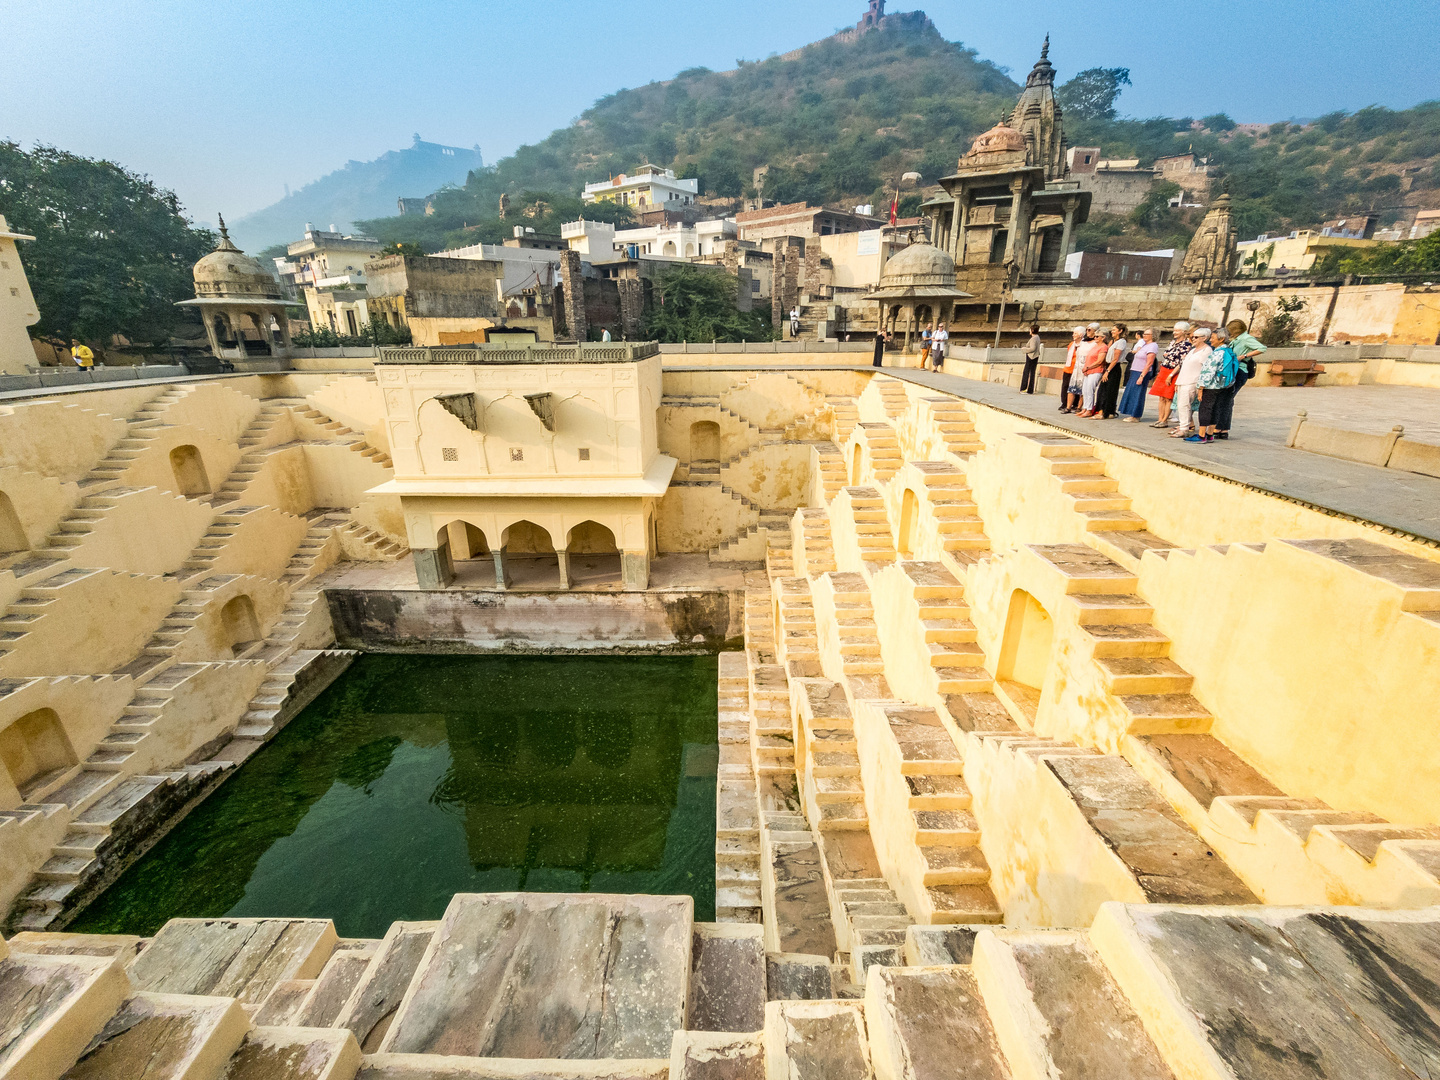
{"points": [[1295, 372]]}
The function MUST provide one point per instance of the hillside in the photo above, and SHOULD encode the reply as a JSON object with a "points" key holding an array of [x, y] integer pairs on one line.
{"points": [[837, 120], [362, 189]]}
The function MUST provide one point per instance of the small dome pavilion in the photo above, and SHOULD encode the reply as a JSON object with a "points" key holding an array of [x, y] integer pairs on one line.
{"points": [[240, 302], [918, 287]]}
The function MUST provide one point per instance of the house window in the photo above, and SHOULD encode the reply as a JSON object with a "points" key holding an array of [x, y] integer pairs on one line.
{"points": [[449, 453], [584, 453], [517, 453], [1124, 271]]}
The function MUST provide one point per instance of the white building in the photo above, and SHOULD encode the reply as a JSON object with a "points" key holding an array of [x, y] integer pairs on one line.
{"points": [[18, 309], [329, 268], [598, 242], [648, 186]]}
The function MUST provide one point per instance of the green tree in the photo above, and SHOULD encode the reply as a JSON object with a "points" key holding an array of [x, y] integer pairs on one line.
{"points": [[1091, 94], [1218, 122], [401, 249], [690, 303], [113, 252], [1284, 324]]}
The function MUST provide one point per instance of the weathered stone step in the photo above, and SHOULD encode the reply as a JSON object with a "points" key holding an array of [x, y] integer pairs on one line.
{"points": [[550, 976], [1056, 1010], [164, 1037], [371, 1007], [1126, 639], [1162, 714], [1316, 994], [1144, 675], [816, 1040], [926, 1022], [239, 958], [946, 864], [52, 1006]]}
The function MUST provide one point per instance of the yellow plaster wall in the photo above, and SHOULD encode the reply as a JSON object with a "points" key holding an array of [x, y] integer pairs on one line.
{"points": [[86, 707], [357, 403], [1314, 673], [697, 517], [202, 708], [340, 476], [772, 475], [206, 639], [262, 545], [770, 399], [218, 409], [151, 466], [95, 625], [283, 482], [902, 637], [1048, 867], [674, 423], [58, 439], [40, 501], [145, 531]]}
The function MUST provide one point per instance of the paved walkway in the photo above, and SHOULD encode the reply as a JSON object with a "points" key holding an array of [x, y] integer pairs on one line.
{"points": [[1256, 453]]}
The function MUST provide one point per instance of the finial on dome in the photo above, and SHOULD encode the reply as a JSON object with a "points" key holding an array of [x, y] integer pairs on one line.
{"points": [[225, 243], [1045, 49]]}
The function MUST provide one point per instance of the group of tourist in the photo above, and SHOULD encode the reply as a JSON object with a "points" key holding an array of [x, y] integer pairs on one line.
{"points": [[1194, 378]]}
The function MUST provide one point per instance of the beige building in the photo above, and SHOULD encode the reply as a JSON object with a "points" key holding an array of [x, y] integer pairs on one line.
{"points": [[329, 268], [508, 461], [1292, 254], [453, 301], [18, 309]]}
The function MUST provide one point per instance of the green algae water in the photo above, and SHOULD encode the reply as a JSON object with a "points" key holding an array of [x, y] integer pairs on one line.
{"points": [[412, 778]]}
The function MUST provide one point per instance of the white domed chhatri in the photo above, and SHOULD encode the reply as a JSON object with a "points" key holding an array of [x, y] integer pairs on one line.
{"points": [[919, 264], [917, 287], [240, 301]]}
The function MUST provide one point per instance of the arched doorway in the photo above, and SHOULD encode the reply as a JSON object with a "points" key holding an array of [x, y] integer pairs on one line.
{"points": [[239, 624], [189, 470], [669, 248], [705, 441], [909, 522], [530, 558], [12, 533], [472, 561], [593, 555], [1025, 650], [855, 460], [35, 749]]}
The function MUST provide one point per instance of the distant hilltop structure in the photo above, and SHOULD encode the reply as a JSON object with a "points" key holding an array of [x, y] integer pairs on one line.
{"points": [[362, 190], [875, 18]]}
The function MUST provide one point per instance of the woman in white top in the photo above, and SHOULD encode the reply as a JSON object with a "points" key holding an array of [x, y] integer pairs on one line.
{"points": [[1186, 380], [939, 346]]}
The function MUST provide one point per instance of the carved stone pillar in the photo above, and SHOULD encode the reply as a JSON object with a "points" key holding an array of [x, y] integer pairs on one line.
{"points": [[433, 567], [635, 570]]}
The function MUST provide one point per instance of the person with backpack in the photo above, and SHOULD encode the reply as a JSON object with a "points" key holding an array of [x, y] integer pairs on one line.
{"points": [[1216, 384], [925, 336], [1248, 351]]}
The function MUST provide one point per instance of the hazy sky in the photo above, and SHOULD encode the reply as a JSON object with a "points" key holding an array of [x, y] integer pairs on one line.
{"points": [[228, 102]]}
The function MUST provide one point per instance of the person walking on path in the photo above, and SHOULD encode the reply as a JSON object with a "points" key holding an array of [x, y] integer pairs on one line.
{"points": [[939, 346], [81, 354], [1142, 369], [1248, 352], [925, 337], [1092, 363], [1114, 373], [1164, 388], [1068, 399], [1185, 382], [1216, 384], [1032, 360]]}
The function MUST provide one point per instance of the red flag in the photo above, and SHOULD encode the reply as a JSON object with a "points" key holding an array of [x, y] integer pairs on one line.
{"points": [[894, 209]]}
